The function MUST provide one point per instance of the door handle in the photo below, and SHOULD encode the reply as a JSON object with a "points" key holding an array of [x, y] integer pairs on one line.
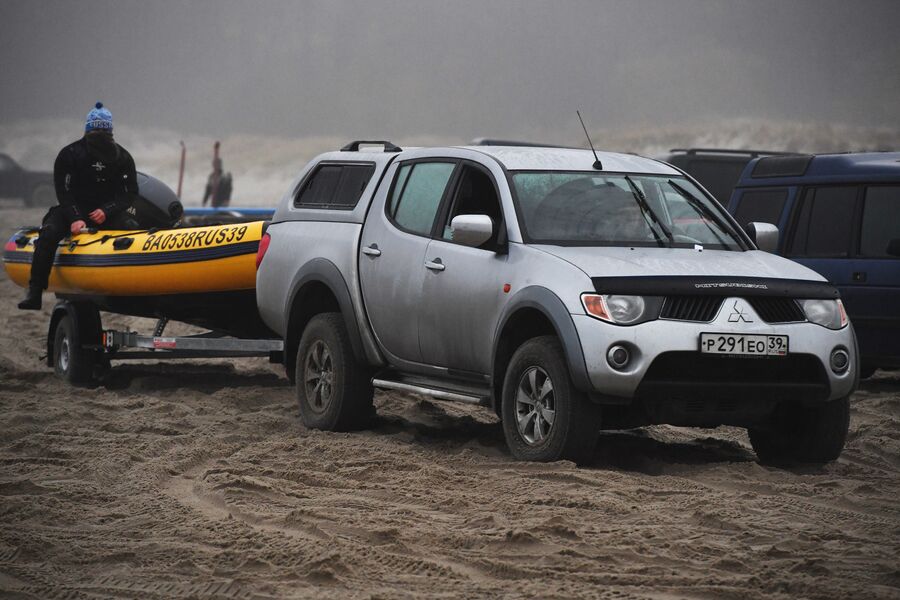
{"points": [[372, 250], [435, 265]]}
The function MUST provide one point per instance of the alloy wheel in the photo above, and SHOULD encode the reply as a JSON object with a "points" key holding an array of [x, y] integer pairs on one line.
{"points": [[535, 406], [319, 377]]}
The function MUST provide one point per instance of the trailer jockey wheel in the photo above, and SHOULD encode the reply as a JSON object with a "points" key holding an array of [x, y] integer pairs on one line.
{"points": [[70, 361]]}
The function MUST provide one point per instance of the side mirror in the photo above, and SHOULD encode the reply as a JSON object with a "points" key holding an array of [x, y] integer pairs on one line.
{"points": [[764, 235], [471, 230], [893, 247]]}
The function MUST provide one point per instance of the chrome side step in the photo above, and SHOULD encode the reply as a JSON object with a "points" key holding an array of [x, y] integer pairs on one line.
{"points": [[439, 394]]}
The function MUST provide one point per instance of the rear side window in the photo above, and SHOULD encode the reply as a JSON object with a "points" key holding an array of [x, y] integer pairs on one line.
{"points": [[880, 220], [761, 206], [417, 195], [335, 186], [825, 222]]}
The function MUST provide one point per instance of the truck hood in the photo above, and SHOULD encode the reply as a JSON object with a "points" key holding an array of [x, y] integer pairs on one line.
{"points": [[667, 262]]}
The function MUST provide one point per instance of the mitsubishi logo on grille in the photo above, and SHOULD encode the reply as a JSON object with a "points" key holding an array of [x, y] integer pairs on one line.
{"points": [[737, 315]]}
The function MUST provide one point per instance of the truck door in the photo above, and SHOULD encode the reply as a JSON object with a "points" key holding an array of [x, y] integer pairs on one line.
{"points": [[463, 289], [391, 264]]}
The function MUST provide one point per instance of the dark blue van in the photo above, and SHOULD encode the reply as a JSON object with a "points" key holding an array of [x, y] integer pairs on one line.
{"points": [[838, 214]]}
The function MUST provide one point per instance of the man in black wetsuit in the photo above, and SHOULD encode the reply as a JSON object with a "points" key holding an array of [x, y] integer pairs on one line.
{"points": [[95, 183]]}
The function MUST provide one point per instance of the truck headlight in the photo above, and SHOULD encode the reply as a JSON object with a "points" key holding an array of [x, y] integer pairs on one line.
{"points": [[613, 308], [827, 313]]}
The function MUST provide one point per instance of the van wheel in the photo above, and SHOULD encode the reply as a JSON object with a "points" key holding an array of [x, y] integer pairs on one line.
{"points": [[803, 434], [333, 390], [70, 361], [545, 418]]}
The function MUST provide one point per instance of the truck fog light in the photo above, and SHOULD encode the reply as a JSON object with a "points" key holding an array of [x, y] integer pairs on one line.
{"points": [[618, 357], [840, 360]]}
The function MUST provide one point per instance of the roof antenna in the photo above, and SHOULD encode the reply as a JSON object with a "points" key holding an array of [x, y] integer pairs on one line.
{"points": [[597, 164]]}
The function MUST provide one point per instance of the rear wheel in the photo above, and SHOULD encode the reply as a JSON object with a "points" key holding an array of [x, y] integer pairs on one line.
{"points": [[803, 434], [70, 361], [545, 418], [333, 390]]}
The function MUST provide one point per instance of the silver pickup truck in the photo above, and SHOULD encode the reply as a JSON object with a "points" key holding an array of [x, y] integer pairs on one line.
{"points": [[569, 293]]}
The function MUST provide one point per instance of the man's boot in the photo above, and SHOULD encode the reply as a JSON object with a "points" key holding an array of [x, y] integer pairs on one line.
{"points": [[32, 299]]}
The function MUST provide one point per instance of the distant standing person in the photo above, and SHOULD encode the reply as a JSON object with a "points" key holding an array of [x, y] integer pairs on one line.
{"points": [[95, 183], [218, 186]]}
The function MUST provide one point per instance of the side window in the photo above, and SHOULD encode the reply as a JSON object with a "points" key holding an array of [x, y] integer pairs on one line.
{"points": [[334, 186], [880, 220], [760, 206], [419, 195], [825, 222], [475, 194]]}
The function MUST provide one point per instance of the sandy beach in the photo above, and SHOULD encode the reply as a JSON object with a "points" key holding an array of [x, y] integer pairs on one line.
{"points": [[197, 480]]}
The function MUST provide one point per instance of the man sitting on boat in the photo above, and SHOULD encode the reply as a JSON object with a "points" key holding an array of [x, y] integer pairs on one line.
{"points": [[95, 182]]}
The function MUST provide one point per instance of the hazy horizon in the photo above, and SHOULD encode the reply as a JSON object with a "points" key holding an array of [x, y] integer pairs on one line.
{"points": [[455, 70]]}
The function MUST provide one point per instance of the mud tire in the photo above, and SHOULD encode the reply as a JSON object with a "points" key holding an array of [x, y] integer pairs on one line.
{"points": [[573, 433], [343, 400], [803, 434]]}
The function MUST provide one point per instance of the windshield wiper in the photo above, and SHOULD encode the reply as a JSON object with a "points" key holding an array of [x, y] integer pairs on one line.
{"points": [[646, 210], [698, 205]]}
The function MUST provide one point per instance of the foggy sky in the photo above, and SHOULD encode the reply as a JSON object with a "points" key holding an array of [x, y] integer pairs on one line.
{"points": [[457, 68]]}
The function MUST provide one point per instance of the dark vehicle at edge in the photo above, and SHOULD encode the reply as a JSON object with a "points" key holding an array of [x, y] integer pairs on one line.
{"points": [[838, 214], [35, 188]]}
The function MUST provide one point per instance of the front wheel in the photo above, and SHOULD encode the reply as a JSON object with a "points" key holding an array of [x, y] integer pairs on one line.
{"points": [[545, 418], [803, 434], [333, 390]]}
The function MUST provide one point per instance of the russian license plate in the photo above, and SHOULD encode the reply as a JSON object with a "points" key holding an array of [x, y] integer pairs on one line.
{"points": [[744, 344]]}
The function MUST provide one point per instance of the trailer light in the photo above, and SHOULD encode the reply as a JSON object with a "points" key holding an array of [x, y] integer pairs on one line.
{"points": [[263, 246]]}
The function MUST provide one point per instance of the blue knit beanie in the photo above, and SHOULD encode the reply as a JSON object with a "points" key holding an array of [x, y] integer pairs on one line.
{"points": [[98, 118]]}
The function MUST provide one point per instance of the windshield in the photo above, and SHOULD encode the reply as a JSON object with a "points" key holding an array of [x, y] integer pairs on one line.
{"points": [[579, 208]]}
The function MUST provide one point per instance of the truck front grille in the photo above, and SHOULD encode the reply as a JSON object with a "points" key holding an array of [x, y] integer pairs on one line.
{"points": [[777, 310], [703, 309], [691, 308]]}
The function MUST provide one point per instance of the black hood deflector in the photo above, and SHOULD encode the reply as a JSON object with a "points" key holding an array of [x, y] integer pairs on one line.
{"points": [[715, 286]]}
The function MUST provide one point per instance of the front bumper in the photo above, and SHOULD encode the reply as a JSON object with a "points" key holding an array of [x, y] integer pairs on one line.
{"points": [[671, 348]]}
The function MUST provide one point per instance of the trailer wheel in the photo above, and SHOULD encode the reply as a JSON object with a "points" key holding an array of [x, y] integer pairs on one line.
{"points": [[333, 390], [70, 361]]}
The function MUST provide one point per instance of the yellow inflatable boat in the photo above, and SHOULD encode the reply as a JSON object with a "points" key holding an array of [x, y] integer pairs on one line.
{"points": [[188, 260], [205, 276]]}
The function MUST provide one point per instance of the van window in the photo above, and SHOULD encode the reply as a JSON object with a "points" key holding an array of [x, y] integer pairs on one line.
{"points": [[880, 221], [761, 206], [825, 222], [420, 197], [337, 186]]}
